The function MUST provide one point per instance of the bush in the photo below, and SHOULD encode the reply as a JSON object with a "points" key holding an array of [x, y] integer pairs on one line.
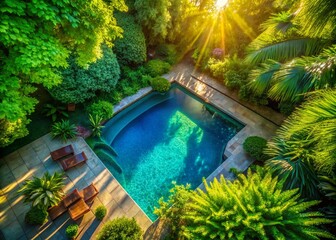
{"points": [[11, 130], [160, 84], [255, 146], [71, 231], [102, 109], [121, 228], [167, 52], [36, 216], [81, 84], [63, 130], [156, 68], [100, 212], [131, 49]]}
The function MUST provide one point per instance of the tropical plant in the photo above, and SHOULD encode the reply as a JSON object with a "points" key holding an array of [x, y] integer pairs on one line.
{"points": [[120, 228], [37, 38], [36, 216], [80, 84], [63, 130], [101, 108], [254, 207], [95, 122], [131, 49], [71, 231], [160, 84], [255, 147], [55, 111], [100, 212], [297, 58], [43, 192], [328, 186], [173, 210]]}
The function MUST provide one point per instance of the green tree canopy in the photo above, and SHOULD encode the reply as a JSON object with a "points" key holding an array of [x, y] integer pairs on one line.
{"points": [[37, 37], [251, 207], [81, 84], [131, 48]]}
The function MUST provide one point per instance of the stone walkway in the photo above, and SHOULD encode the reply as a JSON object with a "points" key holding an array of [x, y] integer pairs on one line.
{"points": [[34, 160]]}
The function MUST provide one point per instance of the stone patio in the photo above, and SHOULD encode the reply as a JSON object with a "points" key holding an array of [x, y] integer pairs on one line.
{"points": [[34, 160]]}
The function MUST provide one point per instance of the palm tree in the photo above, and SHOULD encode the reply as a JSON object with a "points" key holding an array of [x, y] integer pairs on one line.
{"points": [[44, 192], [295, 52], [305, 145], [252, 207]]}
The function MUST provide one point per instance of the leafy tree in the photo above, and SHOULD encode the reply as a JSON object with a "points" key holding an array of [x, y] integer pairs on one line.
{"points": [[36, 38], [253, 207], [131, 48], [81, 84], [44, 192], [11, 130], [154, 17]]}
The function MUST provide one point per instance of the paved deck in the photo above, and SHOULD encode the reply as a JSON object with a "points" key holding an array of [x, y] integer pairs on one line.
{"points": [[34, 160]]}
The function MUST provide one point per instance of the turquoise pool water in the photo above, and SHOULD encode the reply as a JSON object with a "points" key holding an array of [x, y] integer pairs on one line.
{"points": [[165, 138]]}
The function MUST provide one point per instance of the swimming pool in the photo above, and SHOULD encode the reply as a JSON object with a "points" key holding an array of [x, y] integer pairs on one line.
{"points": [[163, 138]]}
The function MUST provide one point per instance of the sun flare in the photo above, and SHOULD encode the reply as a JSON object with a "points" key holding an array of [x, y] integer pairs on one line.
{"points": [[221, 3]]}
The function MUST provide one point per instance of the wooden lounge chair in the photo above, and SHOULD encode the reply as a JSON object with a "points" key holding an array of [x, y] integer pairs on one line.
{"points": [[73, 161], [89, 193], [56, 211], [62, 207], [62, 152], [78, 209]]}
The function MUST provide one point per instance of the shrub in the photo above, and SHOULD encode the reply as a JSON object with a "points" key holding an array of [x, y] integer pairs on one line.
{"points": [[63, 130], [100, 212], [131, 49], [71, 231], [156, 67], [36, 216], [96, 127], [43, 192], [160, 84], [11, 130], [252, 207], [81, 84], [255, 146], [121, 228], [167, 52], [173, 210], [102, 109]]}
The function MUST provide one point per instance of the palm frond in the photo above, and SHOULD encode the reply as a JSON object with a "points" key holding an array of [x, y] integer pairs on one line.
{"points": [[317, 17], [285, 50], [279, 22], [261, 77]]}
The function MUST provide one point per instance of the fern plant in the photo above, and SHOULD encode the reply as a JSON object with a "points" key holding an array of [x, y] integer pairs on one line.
{"points": [[252, 207], [63, 130], [43, 192], [95, 122]]}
